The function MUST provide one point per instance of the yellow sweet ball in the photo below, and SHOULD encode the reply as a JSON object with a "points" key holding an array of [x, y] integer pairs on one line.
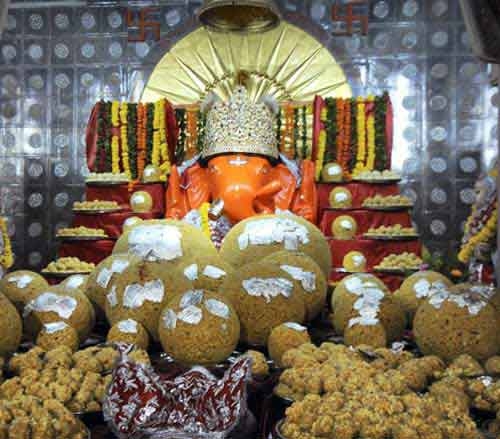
{"points": [[151, 174], [354, 262], [141, 202], [130, 222], [344, 227], [129, 331], [340, 198], [331, 172], [284, 337]]}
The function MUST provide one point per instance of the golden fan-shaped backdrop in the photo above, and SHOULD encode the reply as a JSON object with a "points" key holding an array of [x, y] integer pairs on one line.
{"points": [[286, 63]]}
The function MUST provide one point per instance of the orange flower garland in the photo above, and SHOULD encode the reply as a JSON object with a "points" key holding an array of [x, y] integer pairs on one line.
{"points": [[192, 132], [288, 138], [340, 129], [141, 139], [344, 149]]}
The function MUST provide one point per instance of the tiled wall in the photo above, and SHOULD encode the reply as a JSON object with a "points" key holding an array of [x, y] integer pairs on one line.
{"points": [[56, 62]]}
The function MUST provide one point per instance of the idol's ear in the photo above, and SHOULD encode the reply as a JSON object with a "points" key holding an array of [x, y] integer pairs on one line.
{"points": [[210, 100], [270, 103]]}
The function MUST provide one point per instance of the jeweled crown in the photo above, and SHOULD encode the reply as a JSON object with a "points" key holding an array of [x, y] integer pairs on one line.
{"points": [[240, 126]]}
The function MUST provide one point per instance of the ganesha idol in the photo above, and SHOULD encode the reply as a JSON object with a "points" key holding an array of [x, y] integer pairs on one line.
{"points": [[240, 171]]}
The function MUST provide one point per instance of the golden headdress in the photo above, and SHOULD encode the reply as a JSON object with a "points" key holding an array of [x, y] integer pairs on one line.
{"points": [[240, 126]]}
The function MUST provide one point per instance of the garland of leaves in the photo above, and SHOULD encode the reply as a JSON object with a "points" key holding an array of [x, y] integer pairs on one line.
{"points": [[331, 130], [201, 122], [278, 127], [180, 115], [107, 136], [354, 135], [150, 112], [132, 139], [295, 132], [100, 136], [380, 134]]}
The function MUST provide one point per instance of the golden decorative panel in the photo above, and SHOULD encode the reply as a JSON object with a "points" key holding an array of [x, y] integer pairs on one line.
{"points": [[286, 63]]}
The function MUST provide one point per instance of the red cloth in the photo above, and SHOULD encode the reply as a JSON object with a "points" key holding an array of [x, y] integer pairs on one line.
{"points": [[88, 251], [365, 219], [359, 192], [374, 251], [91, 137], [121, 194], [392, 281], [111, 223]]}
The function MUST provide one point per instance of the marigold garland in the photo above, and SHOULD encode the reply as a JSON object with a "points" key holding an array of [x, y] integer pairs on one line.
{"points": [[370, 138], [288, 138], [124, 138], [354, 135], [165, 161], [321, 153], [132, 139], [361, 136], [6, 257], [303, 127], [141, 140], [345, 150], [149, 110], [205, 224], [192, 133], [155, 153], [485, 234], [115, 155], [180, 149]]}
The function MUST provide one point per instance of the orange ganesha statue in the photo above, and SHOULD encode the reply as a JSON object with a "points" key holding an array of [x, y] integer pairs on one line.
{"points": [[240, 170]]}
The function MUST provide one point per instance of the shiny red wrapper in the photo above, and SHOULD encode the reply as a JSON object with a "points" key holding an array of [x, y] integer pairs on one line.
{"points": [[195, 405]]}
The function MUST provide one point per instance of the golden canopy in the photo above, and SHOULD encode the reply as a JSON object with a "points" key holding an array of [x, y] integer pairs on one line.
{"points": [[286, 63]]}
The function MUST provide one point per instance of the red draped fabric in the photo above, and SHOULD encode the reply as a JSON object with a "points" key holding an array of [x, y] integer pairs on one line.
{"points": [[121, 194], [374, 251], [88, 251], [91, 137], [365, 219], [111, 223]]}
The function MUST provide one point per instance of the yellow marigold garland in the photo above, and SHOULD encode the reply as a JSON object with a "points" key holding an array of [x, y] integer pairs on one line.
{"points": [[205, 225], [163, 135], [361, 136], [370, 138], [115, 143], [321, 153], [6, 258], [155, 155], [483, 236], [124, 138]]}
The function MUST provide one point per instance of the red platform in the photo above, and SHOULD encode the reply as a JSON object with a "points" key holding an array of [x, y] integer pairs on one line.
{"points": [[121, 194], [359, 192], [111, 223], [88, 251], [365, 219], [374, 251]]}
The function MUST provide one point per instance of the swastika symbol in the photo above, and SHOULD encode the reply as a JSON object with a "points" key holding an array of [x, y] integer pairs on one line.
{"points": [[350, 18], [145, 21]]}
